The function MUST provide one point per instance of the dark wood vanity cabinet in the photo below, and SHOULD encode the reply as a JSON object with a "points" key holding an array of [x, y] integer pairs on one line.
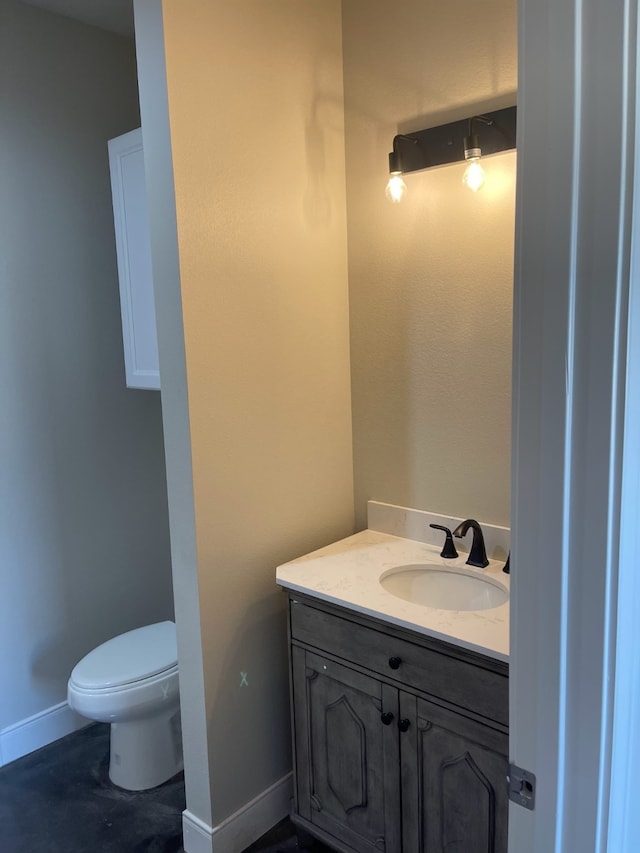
{"points": [[400, 741]]}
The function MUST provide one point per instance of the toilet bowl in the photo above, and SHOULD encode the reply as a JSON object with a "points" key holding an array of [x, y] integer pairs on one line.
{"points": [[131, 682]]}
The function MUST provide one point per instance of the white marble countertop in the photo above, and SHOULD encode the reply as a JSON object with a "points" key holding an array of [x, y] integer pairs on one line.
{"points": [[347, 573]]}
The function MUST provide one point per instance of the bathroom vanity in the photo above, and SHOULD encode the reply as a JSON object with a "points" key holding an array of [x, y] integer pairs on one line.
{"points": [[400, 727]]}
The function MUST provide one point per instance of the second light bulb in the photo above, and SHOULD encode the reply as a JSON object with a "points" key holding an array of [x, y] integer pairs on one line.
{"points": [[473, 177]]}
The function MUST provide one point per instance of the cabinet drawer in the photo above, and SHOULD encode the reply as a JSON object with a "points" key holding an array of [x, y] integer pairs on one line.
{"points": [[467, 685]]}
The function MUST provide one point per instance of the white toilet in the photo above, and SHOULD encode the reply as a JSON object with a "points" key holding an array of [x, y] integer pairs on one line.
{"points": [[131, 682]]}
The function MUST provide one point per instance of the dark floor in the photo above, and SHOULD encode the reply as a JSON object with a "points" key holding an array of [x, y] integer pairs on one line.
{"points": [[60, 800]]}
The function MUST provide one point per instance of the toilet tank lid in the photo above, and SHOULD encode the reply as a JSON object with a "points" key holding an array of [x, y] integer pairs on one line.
{"points": [[128, 658]]}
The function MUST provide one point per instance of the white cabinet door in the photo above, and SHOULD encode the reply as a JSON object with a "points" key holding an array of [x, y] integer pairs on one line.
{"points": [[126, 161]]}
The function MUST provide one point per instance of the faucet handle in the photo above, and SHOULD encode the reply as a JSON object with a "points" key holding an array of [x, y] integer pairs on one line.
{"points": [[449, 549], [507, 568]]}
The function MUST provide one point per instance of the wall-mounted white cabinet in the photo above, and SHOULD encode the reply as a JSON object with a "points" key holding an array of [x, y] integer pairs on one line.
{"points": [[133, 248]]}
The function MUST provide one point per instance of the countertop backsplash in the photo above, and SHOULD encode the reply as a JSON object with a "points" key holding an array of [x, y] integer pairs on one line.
{"points": [[414, 524]]}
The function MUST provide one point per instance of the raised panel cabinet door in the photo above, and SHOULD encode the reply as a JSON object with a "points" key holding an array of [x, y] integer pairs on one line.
{"points": [[454, 777], [133, 252], [347, 771]]}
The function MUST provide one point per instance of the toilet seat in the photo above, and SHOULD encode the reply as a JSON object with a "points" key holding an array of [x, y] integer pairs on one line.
{"points": [[156, 694], [124, 661]]}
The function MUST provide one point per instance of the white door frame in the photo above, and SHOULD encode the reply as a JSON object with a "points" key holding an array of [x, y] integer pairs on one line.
{"points": [[624, 814], [576, 116]]}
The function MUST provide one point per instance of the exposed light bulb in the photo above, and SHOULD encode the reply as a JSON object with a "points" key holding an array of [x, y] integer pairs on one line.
{"points": [[396, 187], [473, 177]]}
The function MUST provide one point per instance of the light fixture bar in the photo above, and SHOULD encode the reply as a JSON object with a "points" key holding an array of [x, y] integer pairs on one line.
{"points": [[436, 146]]}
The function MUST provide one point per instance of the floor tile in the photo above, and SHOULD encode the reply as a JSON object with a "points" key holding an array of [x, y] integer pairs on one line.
{"points": [[60, 800]]}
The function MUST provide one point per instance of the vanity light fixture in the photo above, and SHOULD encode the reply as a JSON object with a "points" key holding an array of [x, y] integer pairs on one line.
{"points": [[451, 143], [473, 177], [396, 187]]}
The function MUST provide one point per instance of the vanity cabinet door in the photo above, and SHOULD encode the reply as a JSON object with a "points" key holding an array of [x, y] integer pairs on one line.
{"points": [[347, 774], [454, 782]]}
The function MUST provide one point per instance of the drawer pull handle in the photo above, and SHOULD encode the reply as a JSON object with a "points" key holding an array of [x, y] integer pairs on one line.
{"points": [[403, 725], [394, 662], [386, 717]]}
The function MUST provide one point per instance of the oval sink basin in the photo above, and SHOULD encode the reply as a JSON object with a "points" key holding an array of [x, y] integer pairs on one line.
{"points": [[445, 589]]}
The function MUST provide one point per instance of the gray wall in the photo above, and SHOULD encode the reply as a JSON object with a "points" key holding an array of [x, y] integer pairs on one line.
{"points": [[84, 543]]}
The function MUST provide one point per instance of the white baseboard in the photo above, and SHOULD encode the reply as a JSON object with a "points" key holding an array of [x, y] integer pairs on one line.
{"points": [[39, 730], [197, 836], [242, 828]]}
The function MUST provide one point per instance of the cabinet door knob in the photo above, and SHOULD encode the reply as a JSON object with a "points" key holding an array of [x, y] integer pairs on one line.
{"points": [[395, 662], [403, 725], [386, 717]]}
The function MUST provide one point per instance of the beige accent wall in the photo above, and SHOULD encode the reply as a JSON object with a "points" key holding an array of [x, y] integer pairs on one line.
{"points": [[430, 279], [256, 114]]}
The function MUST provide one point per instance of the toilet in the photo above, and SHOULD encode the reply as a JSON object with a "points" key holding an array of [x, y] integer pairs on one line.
{"points": [[131, 682]]}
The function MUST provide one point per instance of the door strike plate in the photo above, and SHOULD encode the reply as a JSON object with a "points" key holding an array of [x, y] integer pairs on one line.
{"points": [[522, 787]]}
